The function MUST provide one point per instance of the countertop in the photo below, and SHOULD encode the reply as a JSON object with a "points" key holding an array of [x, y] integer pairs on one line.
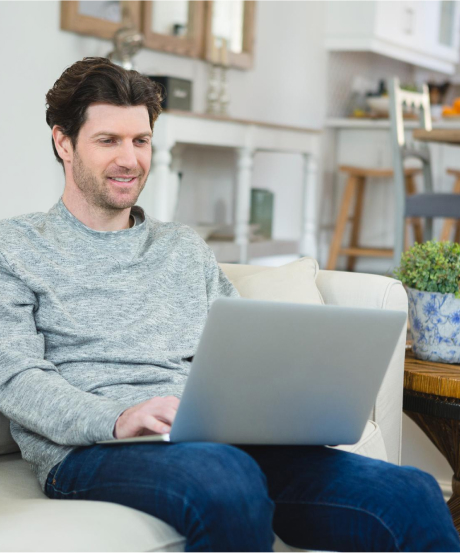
{"points": [[351, 123]]}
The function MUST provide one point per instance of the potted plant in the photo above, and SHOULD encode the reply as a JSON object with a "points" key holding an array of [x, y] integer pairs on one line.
{"points": [[431, 273]]}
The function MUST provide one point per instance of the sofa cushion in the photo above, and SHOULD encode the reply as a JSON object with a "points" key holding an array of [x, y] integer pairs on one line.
{"points": [[7, 444], [29, 521], [99, 526], [45, 525], [371, 443], [294, 282]]}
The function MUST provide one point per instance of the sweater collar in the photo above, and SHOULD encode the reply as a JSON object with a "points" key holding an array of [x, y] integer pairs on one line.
{"points": [[113, 236]]}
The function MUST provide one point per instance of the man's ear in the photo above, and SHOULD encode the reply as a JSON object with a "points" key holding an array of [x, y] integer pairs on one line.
{"points": [[63, 144]]}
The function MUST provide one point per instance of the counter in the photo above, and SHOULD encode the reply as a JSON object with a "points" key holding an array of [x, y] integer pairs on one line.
{"points": [[352, 123]]}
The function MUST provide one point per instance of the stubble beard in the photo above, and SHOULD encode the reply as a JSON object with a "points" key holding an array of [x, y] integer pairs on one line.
{"points": [[97, 191]]}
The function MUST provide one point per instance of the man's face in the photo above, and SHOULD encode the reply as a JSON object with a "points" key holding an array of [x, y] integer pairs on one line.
{"points": [[113, 143]]}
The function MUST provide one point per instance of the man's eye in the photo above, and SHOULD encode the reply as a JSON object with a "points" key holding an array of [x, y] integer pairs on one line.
{"points": [[107, 140], [143, 141]]}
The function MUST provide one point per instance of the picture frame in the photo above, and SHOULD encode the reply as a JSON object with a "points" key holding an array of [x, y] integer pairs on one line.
{"points": [[190, 46], [100, 19], [245, 59]]}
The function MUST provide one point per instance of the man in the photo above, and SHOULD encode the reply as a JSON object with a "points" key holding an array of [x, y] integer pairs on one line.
{"points": [[101, 310]]}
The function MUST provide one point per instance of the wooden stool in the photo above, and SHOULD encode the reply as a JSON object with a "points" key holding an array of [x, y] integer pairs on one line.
{"points": [[450, 223], [354, 190]]}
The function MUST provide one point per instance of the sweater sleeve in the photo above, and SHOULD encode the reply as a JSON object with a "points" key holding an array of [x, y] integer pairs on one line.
{"points": [[32, 392], [217, 284]]}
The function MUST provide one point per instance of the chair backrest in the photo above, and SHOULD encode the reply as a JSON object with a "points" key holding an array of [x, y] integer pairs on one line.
{"points": [[420, 102]]}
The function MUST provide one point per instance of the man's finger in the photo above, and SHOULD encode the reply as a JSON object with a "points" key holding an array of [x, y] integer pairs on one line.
{"points": [[150, 422], [167, 414]]}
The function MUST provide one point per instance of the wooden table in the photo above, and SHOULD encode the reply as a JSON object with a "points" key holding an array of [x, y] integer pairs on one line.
{"points": [[432, 401], [446, 136]]}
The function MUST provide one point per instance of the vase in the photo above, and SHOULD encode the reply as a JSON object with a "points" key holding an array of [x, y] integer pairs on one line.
{"points": [[435, 326]]}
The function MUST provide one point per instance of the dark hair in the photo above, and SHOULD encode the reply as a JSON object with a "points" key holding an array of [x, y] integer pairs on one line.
{"points": [[97, 80]]}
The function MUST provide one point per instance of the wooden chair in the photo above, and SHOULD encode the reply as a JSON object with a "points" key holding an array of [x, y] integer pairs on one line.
{"points": [[427, 204], [354, 194], [450, 223]]}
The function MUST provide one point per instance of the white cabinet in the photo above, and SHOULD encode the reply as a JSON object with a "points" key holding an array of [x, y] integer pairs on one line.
{"points": [[425, 34]]}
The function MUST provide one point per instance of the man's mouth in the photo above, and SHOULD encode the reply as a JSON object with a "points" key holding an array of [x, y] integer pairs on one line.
{"points": [[123, 181]]}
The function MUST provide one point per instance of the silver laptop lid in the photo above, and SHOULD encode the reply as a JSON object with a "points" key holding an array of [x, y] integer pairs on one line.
{"points": [[284, 373]]}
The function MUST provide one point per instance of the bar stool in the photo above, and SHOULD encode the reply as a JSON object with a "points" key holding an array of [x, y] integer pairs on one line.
{"points": [[450, 223], [354, 191]]}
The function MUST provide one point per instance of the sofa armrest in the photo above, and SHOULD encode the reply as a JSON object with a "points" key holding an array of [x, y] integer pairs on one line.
{"points": [[377, 292]]}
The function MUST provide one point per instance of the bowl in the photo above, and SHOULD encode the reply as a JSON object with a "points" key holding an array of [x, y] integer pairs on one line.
{"points": [[379, 104]]}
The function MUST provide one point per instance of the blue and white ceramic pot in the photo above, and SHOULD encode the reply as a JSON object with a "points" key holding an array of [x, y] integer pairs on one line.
{"points": [[435, 326]]}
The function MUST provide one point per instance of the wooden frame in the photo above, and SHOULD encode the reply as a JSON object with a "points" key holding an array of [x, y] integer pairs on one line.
{"points": [[246, 58], [191, 46], [72, 20]]}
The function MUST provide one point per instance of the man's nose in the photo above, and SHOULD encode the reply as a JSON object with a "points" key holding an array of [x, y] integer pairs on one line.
{"points": [[126, 156]]}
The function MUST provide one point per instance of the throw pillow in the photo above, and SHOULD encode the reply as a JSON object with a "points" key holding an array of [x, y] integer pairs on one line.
{"points": [[294, 282]]}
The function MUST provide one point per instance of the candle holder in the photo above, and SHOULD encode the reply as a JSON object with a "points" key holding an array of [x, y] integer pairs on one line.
{"points": [[213, 104], [217, 96]]}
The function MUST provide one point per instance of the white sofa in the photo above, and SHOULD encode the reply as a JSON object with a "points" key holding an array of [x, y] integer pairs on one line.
{"points": [[29, 521]]}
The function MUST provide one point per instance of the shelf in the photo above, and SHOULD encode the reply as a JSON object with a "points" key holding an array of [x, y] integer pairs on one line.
{"points": [[229, 252]]}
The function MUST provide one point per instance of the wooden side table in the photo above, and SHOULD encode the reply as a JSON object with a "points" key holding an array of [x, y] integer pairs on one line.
{"points": [[432, 401]]}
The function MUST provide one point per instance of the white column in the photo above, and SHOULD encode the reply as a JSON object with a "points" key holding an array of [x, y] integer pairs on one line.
{"points": [[174, 185], [309, 234], [243, 200], [161, 180]]}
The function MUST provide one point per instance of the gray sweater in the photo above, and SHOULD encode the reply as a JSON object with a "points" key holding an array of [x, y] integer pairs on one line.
{"points": [[94, 322]]}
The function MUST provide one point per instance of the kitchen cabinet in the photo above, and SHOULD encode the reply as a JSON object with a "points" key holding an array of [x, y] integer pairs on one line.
{"points": [[425, 34]]}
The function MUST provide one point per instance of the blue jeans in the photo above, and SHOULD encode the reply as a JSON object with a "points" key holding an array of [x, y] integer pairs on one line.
{"points": [[228, 498]]}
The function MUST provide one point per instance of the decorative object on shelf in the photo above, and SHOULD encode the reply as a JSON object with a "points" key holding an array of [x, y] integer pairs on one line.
{"points": [[127, 41], [262, 210], [217, 96], [178, 92], [224, 99], [431, 273], [212, 97], [438, 92]]}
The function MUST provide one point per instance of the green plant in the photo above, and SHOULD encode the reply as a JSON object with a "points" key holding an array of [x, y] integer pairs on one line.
{"points": [[431, 267]]}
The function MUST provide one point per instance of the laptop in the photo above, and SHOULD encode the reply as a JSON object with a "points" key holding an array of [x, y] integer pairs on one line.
{"points": [[284, 373]]}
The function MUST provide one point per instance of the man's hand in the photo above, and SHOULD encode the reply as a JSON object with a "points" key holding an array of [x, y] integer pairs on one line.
{"points": [[154, 416]]}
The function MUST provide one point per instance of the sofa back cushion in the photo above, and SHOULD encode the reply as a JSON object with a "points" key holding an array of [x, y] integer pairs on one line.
{"points": [[294, 282]]}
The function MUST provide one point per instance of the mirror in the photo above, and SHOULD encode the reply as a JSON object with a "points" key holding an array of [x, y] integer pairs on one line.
{"points": [[99, 18], [227, 23], [170, 18], [108, 11], [174, 26], [230, 32]]}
